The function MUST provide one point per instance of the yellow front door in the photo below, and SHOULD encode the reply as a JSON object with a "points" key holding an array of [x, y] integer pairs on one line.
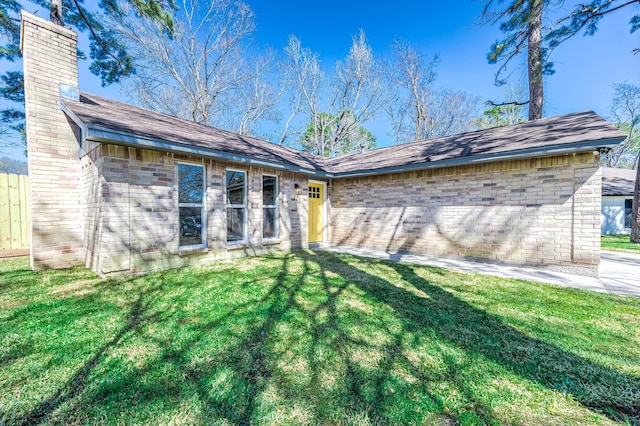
{"points": [[315, 212]]}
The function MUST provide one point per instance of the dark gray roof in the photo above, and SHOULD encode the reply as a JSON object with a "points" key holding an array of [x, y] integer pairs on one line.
{"points": [[98, 113], [104, 119], [618, 181], [574, 132]]}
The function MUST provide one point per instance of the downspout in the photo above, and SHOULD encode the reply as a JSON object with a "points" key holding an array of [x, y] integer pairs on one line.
{"points": [[573, 211]]}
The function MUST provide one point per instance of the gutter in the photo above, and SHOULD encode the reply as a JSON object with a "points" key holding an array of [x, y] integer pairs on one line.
{"points": [[485, 158], [101, 134]]}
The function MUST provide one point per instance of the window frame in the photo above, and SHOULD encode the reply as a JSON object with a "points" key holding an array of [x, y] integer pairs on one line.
{"points": [[275, 207], [203, 209], [630, 202], [237, 206]]}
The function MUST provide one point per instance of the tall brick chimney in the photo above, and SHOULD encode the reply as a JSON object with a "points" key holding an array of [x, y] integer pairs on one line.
{"points": [[50, 59]]}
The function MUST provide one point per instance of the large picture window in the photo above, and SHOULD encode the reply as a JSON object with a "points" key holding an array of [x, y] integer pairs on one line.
{"points": [[628, 213], [192, 217], [269, 207], [236, 206]]}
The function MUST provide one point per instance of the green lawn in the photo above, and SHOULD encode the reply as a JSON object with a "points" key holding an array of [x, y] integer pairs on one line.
{"points": [[312, 338], [618, 243]]}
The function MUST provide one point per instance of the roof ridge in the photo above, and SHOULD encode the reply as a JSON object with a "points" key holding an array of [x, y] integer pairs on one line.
{"points": [[119, 122], [246, 137], [469, 132]]}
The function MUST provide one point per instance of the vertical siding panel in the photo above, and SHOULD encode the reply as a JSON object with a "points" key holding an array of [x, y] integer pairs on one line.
{"points": [[5, 213], [15, 224], [25, 226], [14, 207]]}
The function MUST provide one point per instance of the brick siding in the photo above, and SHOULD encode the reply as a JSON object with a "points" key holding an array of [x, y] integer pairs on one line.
{"points": [[529, 211], [116, 208], [138, 222], [49, 58]]}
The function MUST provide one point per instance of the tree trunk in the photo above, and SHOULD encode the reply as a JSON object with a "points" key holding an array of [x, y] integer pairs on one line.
{"points": [[55, 13], [635, 206], [534, 55]]}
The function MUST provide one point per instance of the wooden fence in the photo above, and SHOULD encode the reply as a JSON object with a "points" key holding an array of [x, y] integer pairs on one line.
{"points": [[15, 229]]}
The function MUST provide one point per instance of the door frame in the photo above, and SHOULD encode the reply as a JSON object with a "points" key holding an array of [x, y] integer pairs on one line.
{"points": [[324, 208]]}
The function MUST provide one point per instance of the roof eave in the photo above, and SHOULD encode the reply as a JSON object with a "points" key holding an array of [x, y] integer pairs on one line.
{"points": [[511, 155], [83, 128], [105, 135], [630, 194]]}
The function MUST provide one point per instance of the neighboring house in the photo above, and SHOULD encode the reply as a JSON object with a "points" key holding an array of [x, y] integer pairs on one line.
{"points": [[618, 186], [122, 189]]}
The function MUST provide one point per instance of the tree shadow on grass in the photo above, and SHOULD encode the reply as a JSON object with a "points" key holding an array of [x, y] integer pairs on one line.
{"points": [[399, 389], [138, 314], [24, 278], [367, 393], [248, 357], [599, 388], [78, 382], [233, 358], [246, 360]]}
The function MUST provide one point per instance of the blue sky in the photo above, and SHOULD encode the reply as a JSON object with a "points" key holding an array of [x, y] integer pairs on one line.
{"points": [[586, 67]]}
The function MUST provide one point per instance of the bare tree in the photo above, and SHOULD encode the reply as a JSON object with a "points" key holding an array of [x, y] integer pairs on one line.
{"points": [[332, 110], [416, 109], [202, 72], [410, 78], [625, 110], [625, 113], [303, 78], [9, 165], [258, 97], [450, 112]]}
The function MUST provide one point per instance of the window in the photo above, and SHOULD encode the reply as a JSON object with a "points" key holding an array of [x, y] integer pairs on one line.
{"points": [[236, 206], [269, 207], [191, 205], [314, 192], [628, 213]]}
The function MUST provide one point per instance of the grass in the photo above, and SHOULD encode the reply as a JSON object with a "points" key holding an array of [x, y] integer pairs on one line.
{"points": [[619, 243], [312, 338]]}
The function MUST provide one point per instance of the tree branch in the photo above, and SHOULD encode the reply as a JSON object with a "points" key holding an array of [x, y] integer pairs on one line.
{"points": [[93, 33], [589, 15], [515, 103]]}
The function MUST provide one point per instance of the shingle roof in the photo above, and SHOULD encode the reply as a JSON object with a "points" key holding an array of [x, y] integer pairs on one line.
{"points": [[567, 133], [570, 129], [618, 181], [117, 116]]}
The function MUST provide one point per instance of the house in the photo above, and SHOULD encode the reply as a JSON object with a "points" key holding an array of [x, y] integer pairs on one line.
{"points": [[122, 189], [618, 186]]}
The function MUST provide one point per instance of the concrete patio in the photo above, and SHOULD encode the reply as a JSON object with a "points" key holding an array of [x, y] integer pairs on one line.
{"points": [[619, 273]]}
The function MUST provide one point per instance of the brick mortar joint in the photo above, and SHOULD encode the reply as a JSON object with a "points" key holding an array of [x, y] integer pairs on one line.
{"points": [[36, 21], [48, 25]]}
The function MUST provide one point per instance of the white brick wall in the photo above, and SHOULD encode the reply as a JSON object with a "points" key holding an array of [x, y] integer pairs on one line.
{"points": [[530, 211], [49, 58], [138, 203]]}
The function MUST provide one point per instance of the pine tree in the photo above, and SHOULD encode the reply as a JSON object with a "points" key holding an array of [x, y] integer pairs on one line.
{"points": [[110, 60]]}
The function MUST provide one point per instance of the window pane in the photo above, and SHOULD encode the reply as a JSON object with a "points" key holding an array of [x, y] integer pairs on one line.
{"points": [[628, 213], [235, 187], [190, 184], [269, 222], [190, 226], [269, 190], [235, 224]]}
